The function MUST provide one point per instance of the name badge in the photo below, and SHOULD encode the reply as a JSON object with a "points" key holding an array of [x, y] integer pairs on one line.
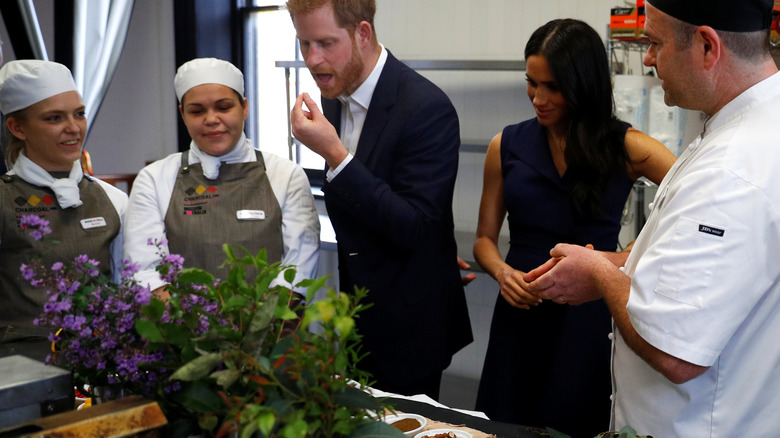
{"points": [[93, 222], [250, 215]]}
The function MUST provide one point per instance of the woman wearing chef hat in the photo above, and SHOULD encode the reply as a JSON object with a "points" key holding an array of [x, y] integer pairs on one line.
{"points": [[221, 190], [44, 130]]}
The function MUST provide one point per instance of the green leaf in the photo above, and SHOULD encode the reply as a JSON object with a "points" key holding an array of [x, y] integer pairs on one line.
{"points": [[228, 250], [148, 330], [235, 302], [248, 430], [312, 286], [326, 308], [266, 422], [195, 276], [343, 427], [154, 310], [264, 315], [355, 398], [198, 368], [263, 283], [344, 324], [199, 397], [226, 378], [372, 429], [176, 334], [285, 313], [289, 275], [296, 429], [208, 422]]}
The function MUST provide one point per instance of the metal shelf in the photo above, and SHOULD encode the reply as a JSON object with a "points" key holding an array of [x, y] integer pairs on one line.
{"points": [[473, 65], [415, 64]]}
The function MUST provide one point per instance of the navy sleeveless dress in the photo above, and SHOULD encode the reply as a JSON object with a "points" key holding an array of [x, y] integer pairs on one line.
{"points": [[549, 366]]}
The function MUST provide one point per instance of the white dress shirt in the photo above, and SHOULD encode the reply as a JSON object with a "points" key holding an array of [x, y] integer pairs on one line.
{"points": [[353, 112]]}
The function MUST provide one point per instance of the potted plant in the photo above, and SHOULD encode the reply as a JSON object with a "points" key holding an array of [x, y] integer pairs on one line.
{"points": [[239, 356]]}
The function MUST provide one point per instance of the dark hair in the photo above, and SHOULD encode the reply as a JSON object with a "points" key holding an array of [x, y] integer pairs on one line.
{"points": [[595, 147], [349, 13]]}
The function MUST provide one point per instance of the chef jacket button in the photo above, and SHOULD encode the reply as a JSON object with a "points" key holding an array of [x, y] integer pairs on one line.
{"points": [[612, 397], [650, 206], [611, 336]]}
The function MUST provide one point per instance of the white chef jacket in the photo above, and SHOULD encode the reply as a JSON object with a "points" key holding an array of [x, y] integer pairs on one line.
{"points": [[118, 199], [705, 283], [151, 196]]}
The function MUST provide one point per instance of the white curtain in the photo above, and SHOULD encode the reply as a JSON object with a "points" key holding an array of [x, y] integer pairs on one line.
{"points": [[33, 28], [100, 28]]}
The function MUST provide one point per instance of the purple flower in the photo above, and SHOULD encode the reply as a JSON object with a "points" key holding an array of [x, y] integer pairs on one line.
{"points": [[36, 225], [74, 323], [57, 266], [130, 269], [27, 271], [174, 264], [143, 296]]}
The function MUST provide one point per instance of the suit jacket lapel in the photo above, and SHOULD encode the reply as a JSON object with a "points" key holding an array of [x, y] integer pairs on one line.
{"points": [[382, 101]]}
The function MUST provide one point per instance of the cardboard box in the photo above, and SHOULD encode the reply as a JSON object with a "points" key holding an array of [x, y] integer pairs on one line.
{"points": [[623, 23]]}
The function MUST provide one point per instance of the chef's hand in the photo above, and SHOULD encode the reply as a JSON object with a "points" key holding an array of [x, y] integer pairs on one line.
{"points": [[468, 278], [313, 130], [569, 277]]}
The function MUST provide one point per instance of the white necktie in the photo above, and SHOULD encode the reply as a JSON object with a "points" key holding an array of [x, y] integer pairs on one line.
{"points": [[210, 164], [349, 126], [66, 190]]}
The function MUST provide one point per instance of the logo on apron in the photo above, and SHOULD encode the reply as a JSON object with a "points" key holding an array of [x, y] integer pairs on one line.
{"points": [[34, 204], [197, 198]]}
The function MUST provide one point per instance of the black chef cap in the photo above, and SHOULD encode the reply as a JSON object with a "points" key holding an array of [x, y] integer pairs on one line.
{"points": [[728, 15]]}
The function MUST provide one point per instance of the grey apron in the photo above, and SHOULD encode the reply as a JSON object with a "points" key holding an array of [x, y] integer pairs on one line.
{"points": [[21, 303], [239, 208]]}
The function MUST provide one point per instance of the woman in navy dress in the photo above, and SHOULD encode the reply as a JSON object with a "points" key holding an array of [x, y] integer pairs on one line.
{"points": [[563, 176]]}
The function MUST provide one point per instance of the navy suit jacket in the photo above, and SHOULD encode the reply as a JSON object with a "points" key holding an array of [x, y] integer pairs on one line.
{"points": [[391, 208]]}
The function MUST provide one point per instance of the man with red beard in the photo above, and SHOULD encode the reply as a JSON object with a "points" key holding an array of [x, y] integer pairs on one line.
{"points": [[390, 139]]}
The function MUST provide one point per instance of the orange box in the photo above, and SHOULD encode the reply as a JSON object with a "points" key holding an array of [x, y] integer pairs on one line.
{"points": [[623, 23]]}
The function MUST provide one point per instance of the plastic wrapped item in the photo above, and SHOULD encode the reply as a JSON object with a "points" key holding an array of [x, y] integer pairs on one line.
{"points": [[673, 126], [631, 99], [665, 123]]}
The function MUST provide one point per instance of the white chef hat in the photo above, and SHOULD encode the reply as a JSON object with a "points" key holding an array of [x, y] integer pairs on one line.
{"points": [[207, 71], [29, 81]]}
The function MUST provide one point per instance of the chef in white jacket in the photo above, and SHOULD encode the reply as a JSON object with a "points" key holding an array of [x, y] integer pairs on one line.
{"points": [[222, 190]]}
